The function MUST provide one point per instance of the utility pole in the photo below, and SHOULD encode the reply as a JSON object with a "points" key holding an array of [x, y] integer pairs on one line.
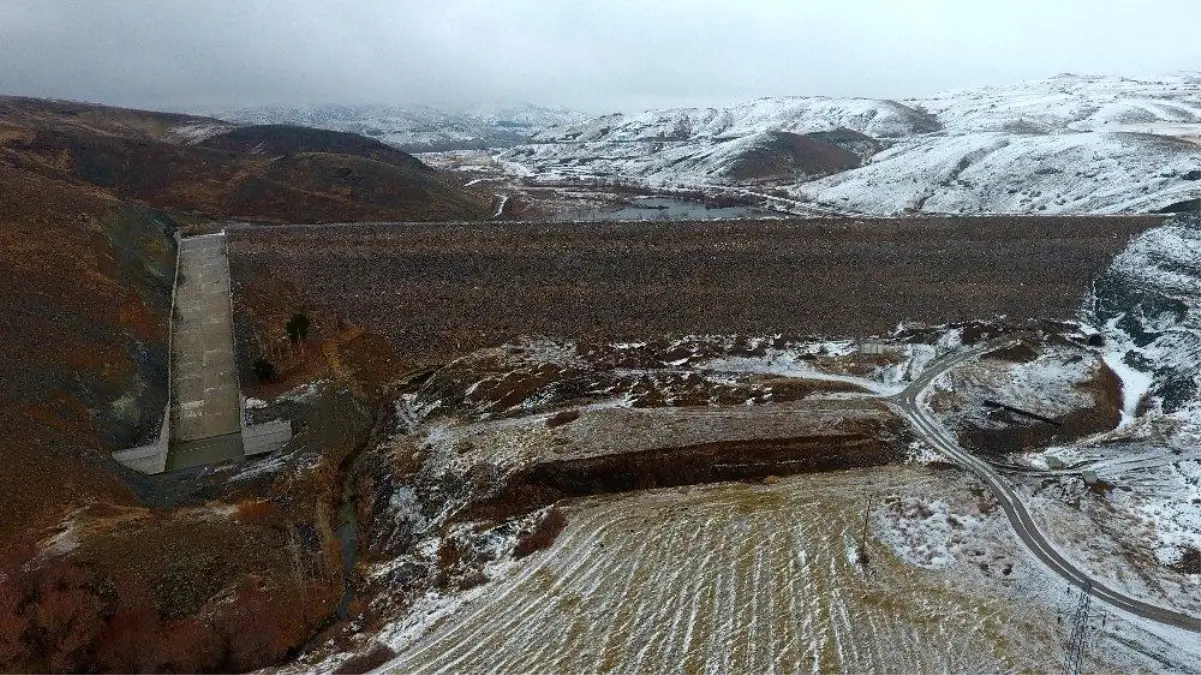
{"points": [[867, 513]]}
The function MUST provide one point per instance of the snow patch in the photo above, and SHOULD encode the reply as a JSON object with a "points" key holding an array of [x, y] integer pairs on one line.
{"points": [[1135, 385], [923, 531]]}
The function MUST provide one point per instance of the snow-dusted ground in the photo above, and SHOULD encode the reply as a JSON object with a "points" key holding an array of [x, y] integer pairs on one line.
{"points": [[728, 578], [1069, 144], [1053, 384], [1140, 527], [496, 407], [998, 172], [1070, 102], [737, 577], [1147, 305], [766, 578], [418, 127]]}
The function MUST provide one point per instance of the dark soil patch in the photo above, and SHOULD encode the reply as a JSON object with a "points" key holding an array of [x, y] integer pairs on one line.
{"points": [[367, 661], [548, 482], [562, 417], [1019, 353], [1190, 562], [543, 534], [788, 157]]}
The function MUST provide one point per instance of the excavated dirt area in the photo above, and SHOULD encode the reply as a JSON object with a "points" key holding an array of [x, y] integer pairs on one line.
{"points": [[1063, 382], [435, 291]]}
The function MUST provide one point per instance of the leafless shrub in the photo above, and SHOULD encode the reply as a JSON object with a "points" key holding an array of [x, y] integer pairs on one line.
{"points": [[543, 534], [377, 655]]}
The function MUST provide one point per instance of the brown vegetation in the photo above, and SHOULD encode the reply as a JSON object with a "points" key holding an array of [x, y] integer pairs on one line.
{"points": [[789, 158], [366, 661], [1190, 562], [543, 534], [160, 594], [92, 197], [270, 173], [562, 417], [335, 349], [253, 511], [84, 363]]}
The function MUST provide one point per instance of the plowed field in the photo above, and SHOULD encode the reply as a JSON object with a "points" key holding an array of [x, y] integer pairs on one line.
{"points": [[735, 578]]}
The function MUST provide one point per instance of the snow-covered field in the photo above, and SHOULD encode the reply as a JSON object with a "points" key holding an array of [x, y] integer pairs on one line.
{"points": [[1066, 145]]}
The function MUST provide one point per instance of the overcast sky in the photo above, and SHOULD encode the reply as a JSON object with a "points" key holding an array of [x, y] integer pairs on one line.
{"points": [[598, 56]]}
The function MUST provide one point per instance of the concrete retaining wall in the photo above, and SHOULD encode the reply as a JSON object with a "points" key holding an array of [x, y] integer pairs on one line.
{"points": [[152, 457], [267, 437]]}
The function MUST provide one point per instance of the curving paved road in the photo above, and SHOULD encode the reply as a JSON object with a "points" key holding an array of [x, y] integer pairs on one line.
{"points": [[910, 404]]}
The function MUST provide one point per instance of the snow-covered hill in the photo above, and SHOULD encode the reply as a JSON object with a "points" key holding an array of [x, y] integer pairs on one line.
{"points": [[1148, 304], [1069, 144], [1071, 103], [416, 128]]}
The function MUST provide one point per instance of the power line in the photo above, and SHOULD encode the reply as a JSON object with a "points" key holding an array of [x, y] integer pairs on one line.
{"points": [[1082, 627]]}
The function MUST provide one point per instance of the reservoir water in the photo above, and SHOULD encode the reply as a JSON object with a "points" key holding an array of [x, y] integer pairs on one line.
{"points": [[669, 208]]}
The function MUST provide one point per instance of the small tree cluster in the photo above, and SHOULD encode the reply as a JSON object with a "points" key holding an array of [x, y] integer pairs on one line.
{"points": [[297, 327], [264, 370]]}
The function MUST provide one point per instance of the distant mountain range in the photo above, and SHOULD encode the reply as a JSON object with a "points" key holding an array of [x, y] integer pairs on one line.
{"points": [[420, 128], [1068, 144]]}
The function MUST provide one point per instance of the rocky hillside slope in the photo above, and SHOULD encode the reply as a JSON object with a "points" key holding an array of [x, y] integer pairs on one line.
{"points": [[1066, 145], [416, 128], [1147, 305], [210, 169], [102, 569]]}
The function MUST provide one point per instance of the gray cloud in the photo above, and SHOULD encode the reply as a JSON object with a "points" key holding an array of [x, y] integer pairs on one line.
{"points": [[599, 56]]}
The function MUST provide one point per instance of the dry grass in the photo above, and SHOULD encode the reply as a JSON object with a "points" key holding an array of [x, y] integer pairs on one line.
{"points": [[366, 661], [257, 512], [738, 578]]}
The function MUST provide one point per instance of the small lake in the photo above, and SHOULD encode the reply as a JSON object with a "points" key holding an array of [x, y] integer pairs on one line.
{"points": [[668, 208]]}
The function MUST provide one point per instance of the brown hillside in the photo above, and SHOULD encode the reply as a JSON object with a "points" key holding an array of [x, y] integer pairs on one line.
{"points": [[100, 570], [278, 139], [92, 119], [85, 354], [789, 157], [251, 173]]}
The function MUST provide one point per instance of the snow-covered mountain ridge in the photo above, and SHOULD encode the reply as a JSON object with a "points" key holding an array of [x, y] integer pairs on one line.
{"points": [[418, 128], [1068, 144]]}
